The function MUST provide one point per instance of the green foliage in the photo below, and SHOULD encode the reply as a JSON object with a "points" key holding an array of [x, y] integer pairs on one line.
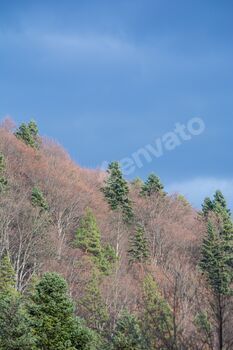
{"points": [[138, 250], [28, 133], [7, 275], [203, 324], [128, 334], [207, 206], [38, 199], [116, 191], [152, 185], [158, 317], [93, 306], [216, 261], [3, 181], [15, 331], [52, 316], [88, 238]]}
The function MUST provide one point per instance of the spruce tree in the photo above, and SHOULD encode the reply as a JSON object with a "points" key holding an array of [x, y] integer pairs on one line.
{"points": [[138, 250], [116, 191], [38, 199], [128, 334], [152, 185], [207, 206], [28, 133], [7, 275]]}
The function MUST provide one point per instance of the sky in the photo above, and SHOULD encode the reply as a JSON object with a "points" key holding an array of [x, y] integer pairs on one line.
{"points": [[111, 80]]}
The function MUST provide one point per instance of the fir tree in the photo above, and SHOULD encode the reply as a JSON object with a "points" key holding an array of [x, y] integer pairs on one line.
{"points": [[207, 206], [138, 251], [152, 185], [116, 191], [28, 133], [7, 275], [38, 199], [128, 334]]}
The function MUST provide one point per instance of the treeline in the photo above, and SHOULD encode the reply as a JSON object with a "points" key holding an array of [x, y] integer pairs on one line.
{"points": [[91, 261]]}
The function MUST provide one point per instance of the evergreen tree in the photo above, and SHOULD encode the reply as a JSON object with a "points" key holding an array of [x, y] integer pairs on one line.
{"points": [[38, 199], [7, 275], [52, 316], [138, 251], [207, 206], [128, 334], [158, 325], [116, 191], [15, 331], [28, 133], [3, 181], [88, 235], [92, 305], [152, 185]]}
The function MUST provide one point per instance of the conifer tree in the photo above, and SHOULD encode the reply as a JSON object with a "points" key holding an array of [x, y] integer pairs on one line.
{"points": [[158, 319], [116, 191], [28, 133], [7, 275], [38, 199], [207, 206], [92, 304], [128, 334], [138, 250], [152, 185]]}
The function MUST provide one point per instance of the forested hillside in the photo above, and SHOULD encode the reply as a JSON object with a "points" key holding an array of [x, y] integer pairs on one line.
{"points": [[89, 260]]}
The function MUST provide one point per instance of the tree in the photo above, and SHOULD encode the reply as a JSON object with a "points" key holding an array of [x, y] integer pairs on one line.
{"points": [[88, 235], [128, 334], [116, 191], [207, 206], [7, 275], [152, 185], [52, 316], [15, 330], [38, 199], [138, 251], [28, 133], [216, 263], [3, 181], [92, 305], [157, 320]]}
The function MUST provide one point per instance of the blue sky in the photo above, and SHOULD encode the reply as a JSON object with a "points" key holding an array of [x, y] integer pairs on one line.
{"points": [[106, 78]]}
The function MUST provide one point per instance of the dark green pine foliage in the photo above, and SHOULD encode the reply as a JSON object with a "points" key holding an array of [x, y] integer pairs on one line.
{"points": [[116, 191], [128, 334], [28, 133], [152, 185], [7, 275], [207, 206], [3, 181], [52, 317], [38, 199], [138, 247]]}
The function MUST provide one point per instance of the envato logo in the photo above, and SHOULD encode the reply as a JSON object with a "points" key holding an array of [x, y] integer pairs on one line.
{"points": [[166, 143]]}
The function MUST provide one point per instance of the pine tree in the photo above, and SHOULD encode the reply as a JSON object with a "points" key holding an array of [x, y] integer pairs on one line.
{"points": [[138, 251], [207, 206], [116, 191], [28, 133], [38, 199], [92, 305], [128, 334], [158, 318], [152, 185], [7, 275]]}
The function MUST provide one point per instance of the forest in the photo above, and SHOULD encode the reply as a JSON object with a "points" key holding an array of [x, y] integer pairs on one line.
{"points": [[91, 261]]}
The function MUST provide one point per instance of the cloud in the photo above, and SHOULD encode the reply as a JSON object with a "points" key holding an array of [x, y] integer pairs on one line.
{"points": [[195, 190]]}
